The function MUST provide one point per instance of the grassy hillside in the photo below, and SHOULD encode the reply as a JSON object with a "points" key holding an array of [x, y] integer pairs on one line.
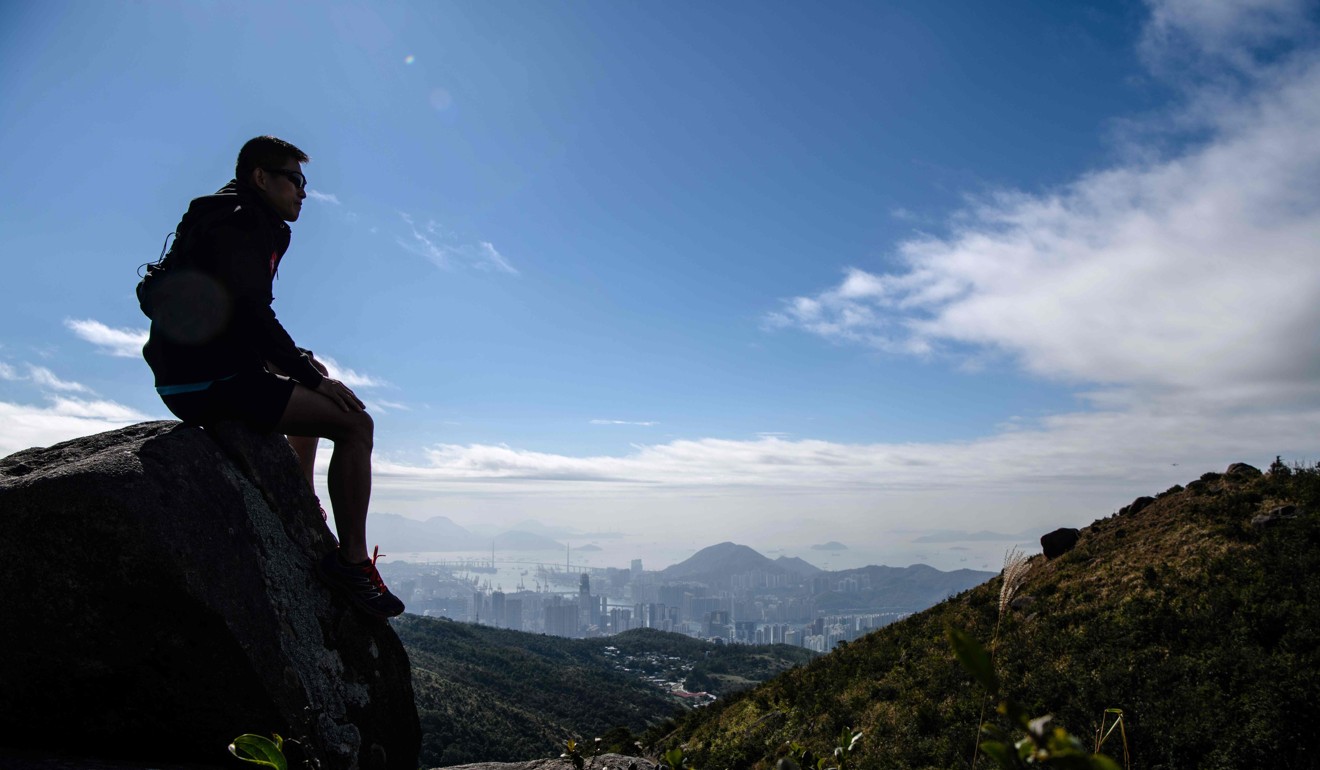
{"points": [[1203, 627], [492, 695]]}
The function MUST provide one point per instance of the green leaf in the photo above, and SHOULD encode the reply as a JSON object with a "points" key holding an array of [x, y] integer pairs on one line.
{"points": [[674, 758], [974, 658], [1073, 762], [1001, 754], [259, 750]]}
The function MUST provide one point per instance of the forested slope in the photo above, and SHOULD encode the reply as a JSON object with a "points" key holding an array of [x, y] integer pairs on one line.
{"points": [[1195, 612]]}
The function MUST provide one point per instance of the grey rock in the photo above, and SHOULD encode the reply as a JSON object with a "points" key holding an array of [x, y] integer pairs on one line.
{"points": [[161, 600], [1059, 542], [1242, 470], [1276, 516], [1136, 506]]}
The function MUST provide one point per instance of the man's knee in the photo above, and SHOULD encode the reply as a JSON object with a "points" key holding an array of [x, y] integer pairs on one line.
{"points": [[360, 428]]}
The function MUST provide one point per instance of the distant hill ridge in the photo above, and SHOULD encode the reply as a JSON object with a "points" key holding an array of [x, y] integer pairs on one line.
{"points": [[916, 586], [439, 533], [1196, 611]]}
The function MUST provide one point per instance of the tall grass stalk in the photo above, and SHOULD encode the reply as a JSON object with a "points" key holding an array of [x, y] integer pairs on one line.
{"points": [[1102, 735], [1016, 565]]}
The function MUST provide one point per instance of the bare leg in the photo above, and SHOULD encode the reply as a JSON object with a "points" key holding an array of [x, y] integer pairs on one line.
{"points": [[311, 414], [305, 448]]}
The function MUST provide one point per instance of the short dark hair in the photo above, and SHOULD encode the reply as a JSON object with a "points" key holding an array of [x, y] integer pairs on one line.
{"points": [[265, 152]]}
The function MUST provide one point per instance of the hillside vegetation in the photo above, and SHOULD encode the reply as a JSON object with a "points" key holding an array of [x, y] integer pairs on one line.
{"points": [[493, 695], [1201, 624]]}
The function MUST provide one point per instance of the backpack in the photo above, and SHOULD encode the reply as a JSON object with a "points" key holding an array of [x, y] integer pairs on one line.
{"points": [[177, 255]]}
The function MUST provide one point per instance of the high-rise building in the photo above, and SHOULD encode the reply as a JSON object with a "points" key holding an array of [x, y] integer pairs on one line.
{"points": [[513, 614], [584, 600], [561, 618]]}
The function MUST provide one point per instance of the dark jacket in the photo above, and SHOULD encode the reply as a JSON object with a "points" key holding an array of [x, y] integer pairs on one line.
{"points": [[210, 301]]}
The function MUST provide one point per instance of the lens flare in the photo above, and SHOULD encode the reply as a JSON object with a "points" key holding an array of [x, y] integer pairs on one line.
{"points": [[409, 59]]}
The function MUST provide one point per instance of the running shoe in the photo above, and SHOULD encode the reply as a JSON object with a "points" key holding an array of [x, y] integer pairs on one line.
{"points": [[361, 584]]}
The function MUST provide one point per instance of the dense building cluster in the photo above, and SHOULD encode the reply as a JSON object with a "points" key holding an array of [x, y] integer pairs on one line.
{"points": [[757, 607]]}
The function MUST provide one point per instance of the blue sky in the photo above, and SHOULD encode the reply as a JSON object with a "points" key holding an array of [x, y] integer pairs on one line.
{"points": [[777, 273]]}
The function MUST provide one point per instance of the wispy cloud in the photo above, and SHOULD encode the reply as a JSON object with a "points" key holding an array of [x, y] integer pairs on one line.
{"points": [[445, 251], [349, 377], [493, 260], [623, 422], [1220, 35], [321, 197], [125, 343], [43, 378], [46, 380]]}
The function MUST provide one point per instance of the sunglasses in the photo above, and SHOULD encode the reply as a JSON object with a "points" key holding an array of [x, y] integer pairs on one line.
{"points": [[296, 177]]}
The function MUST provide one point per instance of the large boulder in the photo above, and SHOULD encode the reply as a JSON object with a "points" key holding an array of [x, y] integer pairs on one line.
{"points": [[160, 599], [1060, 541]]}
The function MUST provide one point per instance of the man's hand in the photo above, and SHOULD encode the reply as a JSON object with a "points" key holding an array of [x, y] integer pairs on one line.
{"points": [[317, 365], [339, 393]]}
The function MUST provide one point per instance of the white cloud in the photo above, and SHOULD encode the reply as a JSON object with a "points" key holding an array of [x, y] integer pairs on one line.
{"points": [[1180, 292], [440, 247], [64, 419], [46, 380], [423, 245], [43, 378], [1061, 449], [1192, 277], [1218, 33], [349, 377], [125, 343], [321, 197], [622, 422], [492, 259], [1064, 470]]}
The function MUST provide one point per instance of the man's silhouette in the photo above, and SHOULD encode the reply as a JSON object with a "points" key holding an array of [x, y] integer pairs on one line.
{"points": [[219, 353]]}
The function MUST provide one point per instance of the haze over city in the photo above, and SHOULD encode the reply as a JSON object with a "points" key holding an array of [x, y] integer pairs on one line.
{"points": [[924, 279]]}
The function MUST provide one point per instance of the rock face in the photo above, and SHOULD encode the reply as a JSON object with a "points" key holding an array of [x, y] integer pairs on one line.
{"points": [[1136, 506], [160, 599]]}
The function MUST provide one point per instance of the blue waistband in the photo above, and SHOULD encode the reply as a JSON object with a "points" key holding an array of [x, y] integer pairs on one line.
{"points": [[191, 387]]}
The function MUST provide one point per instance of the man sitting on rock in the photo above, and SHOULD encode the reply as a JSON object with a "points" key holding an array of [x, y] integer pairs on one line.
{"points": [[219, 353]]}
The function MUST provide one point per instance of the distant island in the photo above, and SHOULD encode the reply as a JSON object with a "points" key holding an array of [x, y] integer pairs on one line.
{"points": [[833, 545], [588, 547]]}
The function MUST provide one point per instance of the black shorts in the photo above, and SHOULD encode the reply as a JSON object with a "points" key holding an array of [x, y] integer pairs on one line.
{"points": [[257, 398]]}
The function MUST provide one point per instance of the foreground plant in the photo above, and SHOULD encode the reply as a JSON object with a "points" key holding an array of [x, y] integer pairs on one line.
{"points": [[260, 750], [573, 753], [263, 751], [1102, 735], [801, 757], [674, 760], [1016, 565], [1040, 745]]}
